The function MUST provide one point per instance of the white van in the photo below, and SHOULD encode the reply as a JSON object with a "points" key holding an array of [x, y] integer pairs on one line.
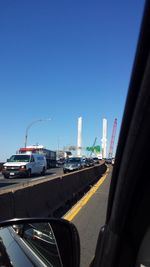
{"points": [[24, 165]]}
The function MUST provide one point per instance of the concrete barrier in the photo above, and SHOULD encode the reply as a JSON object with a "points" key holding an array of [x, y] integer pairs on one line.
{"points": [[44, 198], [6, 206]]}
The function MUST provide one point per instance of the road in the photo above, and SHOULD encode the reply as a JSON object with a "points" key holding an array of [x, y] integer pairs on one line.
{"points": [[13, 181], [90, 219], [51, 173]]}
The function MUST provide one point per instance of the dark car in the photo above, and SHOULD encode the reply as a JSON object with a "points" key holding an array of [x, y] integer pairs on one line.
{"points": [[89, 162], [96, 160], [60, 162], [108, 161]]}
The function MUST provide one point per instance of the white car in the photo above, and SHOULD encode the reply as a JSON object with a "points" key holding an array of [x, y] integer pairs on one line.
{"points": [[113, 161], [24, 165]]}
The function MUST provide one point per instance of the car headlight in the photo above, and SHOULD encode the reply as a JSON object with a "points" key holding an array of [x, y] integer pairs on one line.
{"points": [[23, 167], [5, 168]]}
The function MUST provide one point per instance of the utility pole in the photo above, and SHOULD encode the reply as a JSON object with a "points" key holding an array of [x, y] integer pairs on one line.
{"points": [[29, 126]]}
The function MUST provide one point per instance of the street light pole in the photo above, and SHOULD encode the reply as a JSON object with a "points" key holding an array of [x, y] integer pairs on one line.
{"points": [[29, 126]]}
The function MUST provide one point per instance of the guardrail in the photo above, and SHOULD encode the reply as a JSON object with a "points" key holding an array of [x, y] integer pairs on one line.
{"points": [[45, 197]]}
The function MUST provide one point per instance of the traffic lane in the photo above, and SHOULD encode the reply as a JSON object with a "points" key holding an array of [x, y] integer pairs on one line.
{"points": [[90, 219], [58, 171], [13, 181], [54, 172]]}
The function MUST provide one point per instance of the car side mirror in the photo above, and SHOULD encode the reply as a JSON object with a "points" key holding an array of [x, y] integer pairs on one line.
{"points": [[54, 242], [32, 159]]}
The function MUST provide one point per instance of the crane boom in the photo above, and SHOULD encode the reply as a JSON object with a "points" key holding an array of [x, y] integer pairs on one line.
{"points": [[93, 145]]}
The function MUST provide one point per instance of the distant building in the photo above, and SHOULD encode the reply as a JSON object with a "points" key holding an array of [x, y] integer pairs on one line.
{"points": [[63, 154]]}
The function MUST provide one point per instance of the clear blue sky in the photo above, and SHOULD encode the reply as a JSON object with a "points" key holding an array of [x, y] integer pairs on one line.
{"points": [[64, 59]]}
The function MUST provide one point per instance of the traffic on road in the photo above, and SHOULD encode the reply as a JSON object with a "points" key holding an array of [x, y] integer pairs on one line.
{"points": [[15, 171], [29, 164]]}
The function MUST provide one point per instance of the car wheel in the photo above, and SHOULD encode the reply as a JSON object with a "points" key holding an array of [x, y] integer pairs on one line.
{"points": [[6, 176], [29, 173], [43, 171]]}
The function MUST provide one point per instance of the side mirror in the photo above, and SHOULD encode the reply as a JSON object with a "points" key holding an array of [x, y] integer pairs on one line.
{"points": [[32, 159], [8, 160], [39, 242]]}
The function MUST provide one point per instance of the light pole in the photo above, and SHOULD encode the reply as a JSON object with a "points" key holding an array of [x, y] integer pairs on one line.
{"points": [[29, 126]]}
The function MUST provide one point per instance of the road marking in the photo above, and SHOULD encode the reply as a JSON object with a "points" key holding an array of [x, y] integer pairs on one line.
{"points": [[77, 207]]}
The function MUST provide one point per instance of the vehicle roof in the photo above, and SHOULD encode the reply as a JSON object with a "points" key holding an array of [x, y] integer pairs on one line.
{"points": [[28, 154]]}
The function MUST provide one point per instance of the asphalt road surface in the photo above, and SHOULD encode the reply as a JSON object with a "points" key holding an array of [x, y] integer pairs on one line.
{"points": [[8, 182], [90, 219]]}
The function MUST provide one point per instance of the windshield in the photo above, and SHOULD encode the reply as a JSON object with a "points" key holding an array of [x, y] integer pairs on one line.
{"points": [[73, 160], [65, 69], [19, 158]]}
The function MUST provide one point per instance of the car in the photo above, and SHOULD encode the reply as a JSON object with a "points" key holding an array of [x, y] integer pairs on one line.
{"points": [[73, 164], [112, 161], [84, 159], [89, 162], [86, 162], [20, 165], [60, 162], [96, 160], [108, 160]]}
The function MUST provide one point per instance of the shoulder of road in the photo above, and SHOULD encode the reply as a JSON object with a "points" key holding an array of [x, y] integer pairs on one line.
{"points": [[89, 215]]}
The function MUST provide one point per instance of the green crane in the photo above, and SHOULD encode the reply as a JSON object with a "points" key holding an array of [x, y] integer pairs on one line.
{"points": [[93, 147]]}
